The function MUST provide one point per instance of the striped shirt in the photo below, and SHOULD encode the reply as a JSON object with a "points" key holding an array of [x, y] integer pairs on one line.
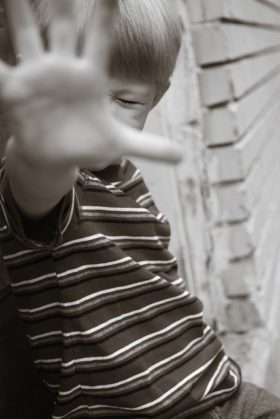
{"points": [[113, 331]]}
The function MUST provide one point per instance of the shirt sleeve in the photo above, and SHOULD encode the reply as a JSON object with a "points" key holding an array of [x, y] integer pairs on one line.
{"points": [[46, 231]]}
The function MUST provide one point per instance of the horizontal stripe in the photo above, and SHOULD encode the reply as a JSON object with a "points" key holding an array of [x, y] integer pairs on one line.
{"points": [[94, 237], [113, 209], [89, 297], [157, 262], [71, 271], [20, 254], [153, 403], [94, 266], [147, 372], [114, 320], [122, 350]]}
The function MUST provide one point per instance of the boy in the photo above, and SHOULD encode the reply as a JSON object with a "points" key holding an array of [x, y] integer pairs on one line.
{"points": [[113, 332]]}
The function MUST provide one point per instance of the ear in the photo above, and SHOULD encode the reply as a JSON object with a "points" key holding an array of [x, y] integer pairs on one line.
{"points": [[161, 90]]}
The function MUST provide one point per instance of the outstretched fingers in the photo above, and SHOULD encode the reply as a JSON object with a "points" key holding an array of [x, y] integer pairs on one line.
{"points": [[62, 34], [146, 145], [25, 33]]}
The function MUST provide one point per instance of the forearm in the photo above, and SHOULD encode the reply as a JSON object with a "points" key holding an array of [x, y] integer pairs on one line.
{"points": [[37, 186]]}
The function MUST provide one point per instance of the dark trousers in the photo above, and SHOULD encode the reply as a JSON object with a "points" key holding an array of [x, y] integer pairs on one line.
{"points": [[22, 393], [250, 402]]}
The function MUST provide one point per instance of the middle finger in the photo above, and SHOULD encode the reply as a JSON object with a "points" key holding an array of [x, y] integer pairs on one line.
{"points": [[62, 35], [99, 33]]}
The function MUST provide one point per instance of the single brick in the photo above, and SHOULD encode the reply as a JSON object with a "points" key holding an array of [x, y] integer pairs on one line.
{"points": [[230, 203], [215, 86], [209, 43], [237, 239], [219, 42], [225, 164], [239, 278], [242, 316], [219, 126]]}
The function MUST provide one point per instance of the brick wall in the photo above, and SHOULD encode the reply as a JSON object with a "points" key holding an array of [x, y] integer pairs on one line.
{"points": [[237, 48]]}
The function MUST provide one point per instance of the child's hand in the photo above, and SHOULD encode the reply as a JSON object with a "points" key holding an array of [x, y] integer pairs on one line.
{"points": [[56, 100]]}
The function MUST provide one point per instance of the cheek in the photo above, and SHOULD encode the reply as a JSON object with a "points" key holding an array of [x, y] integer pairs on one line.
{"points": [[135, 118]]}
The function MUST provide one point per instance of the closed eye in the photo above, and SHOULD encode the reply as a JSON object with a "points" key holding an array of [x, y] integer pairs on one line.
{"points": [[128, 102]]}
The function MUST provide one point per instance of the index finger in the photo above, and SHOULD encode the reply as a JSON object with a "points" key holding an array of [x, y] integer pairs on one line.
{"points": [[25, 33]]}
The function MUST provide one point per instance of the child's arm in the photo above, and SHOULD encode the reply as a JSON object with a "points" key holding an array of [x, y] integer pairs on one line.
{"points": [[58, 110]]}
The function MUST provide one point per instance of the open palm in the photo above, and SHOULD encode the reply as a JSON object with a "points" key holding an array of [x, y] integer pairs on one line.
{"points": [[56, 99]]}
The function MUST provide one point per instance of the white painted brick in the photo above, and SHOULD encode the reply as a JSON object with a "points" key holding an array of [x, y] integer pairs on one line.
{"points": [[249, 40], [225, 164], [209, 43], [219, 126], [243, 238], [232, 162], [237, 288], [230, 203], [248, 72], [225, 125], [237, 239], [235, 202], [242, 277], [221, 84], [242, 316], [239, 278], [218, 42], [215, 86]]}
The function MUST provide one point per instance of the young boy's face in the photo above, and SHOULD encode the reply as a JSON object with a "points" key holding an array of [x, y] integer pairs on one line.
{"points": [[132, 100]]}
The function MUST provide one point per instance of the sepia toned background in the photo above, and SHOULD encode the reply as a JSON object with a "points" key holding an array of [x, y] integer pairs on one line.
{"points": [[223, 200]]}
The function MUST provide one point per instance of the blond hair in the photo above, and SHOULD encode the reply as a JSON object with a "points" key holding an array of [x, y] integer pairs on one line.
{"points": [[146, 35]]}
